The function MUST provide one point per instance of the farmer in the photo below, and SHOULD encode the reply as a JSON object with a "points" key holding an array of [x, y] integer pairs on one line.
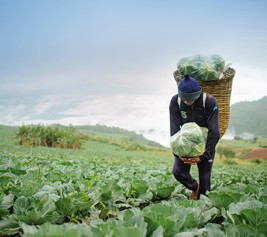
{"points": [[192, 105]]}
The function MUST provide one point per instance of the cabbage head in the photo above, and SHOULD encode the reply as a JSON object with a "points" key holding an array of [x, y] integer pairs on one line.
{"points": [[190, 141], [202, 67]]}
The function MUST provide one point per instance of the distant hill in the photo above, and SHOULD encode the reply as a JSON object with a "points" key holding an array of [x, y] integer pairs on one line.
{"points": [[119, 133], [101, 133], [249, 117]]}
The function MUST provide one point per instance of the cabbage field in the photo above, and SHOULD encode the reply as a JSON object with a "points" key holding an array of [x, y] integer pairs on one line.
{"points": [[110, 189]]}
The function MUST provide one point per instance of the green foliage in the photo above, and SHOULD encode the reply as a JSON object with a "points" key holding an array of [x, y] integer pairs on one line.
{"points": [[225, 151], [164, 190], [105, 190], [117, 135], [222, 200], [229, 162], [35, 211], [39, 135], [228, 153], [125, 144], [257, 161], [219, 150]]}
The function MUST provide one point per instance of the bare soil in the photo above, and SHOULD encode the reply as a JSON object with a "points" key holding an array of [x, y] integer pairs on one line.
{"points": [[257, 153]]}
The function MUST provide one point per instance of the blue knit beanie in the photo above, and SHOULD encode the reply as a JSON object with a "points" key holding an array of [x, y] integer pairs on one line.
{"points": [[189, 89]]}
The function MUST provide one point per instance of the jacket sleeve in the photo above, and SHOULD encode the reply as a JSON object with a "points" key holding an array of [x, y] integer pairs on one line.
{"points": [[212, 113], [175, 122]]}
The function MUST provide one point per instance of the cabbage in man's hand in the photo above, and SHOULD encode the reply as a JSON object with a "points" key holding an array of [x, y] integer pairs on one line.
{"points": [[190, 141]]}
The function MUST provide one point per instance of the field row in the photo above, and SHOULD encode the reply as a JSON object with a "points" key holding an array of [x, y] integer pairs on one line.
{"points": [[92, 194]]}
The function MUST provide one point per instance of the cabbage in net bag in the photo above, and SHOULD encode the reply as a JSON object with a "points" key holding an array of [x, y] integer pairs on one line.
{"points": [[202, 67], [190, 141]]}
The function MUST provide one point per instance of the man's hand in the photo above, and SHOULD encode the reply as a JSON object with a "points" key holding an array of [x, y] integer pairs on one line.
{"points": [[190, 160]]}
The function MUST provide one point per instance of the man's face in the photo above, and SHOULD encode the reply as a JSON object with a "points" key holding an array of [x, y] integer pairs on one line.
{"points": [[189, 103]]}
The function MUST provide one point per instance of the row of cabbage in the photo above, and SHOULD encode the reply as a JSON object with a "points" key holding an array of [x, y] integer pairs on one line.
{"points": [[96, 196]]}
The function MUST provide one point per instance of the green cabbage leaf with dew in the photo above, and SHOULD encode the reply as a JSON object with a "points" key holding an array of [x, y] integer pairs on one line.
{"points": [[190, 141]]}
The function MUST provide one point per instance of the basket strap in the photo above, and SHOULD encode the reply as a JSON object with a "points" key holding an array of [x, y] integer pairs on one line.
{"points": [[204, 100], [179, 102]]}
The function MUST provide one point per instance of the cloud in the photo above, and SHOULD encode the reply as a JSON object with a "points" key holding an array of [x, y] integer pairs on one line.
{"points": [[11, 113], [145, 114], [127, 111], [47, 103]]}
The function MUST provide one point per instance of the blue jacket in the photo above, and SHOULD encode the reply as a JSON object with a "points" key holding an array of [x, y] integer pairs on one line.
{"points": [[205, 117]]}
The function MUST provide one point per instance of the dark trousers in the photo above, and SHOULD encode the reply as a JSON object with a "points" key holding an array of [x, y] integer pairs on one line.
{"points": [[181, 173]]}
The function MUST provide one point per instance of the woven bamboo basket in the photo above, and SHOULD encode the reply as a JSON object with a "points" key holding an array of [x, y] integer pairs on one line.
{"points": [[221, 89]]}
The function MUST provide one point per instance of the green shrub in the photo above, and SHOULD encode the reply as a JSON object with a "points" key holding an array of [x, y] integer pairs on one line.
{"points": [[229, 162], [39, 135]]}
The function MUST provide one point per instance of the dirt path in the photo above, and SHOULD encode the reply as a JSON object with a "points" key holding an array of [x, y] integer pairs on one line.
{"points": [[257, 153]]}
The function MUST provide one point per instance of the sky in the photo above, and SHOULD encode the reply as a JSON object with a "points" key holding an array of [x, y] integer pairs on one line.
{"points": [[111, 62]]}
